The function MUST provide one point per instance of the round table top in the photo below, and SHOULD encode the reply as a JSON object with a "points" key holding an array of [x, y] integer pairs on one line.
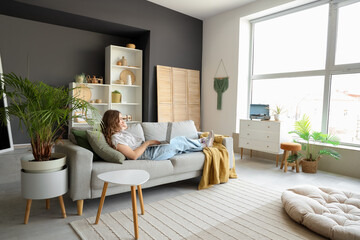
{"points": [[132, 177]]}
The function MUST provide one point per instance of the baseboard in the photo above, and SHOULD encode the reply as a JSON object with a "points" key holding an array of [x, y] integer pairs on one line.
{"points": [[22, 145]]}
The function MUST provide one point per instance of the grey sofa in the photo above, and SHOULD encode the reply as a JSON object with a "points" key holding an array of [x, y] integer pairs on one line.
{"points": [[83, 171]]}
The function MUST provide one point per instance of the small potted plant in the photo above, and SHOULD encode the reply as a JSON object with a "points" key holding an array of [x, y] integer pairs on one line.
{"points": [[79, 78], [116, 97], [311, 154], [277, 111]]}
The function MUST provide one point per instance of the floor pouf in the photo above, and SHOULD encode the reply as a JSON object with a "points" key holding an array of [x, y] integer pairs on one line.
{"points": [[329, 212]]}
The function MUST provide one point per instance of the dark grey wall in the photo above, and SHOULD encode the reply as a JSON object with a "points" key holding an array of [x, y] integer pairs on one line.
{"points": [[168, 38]]}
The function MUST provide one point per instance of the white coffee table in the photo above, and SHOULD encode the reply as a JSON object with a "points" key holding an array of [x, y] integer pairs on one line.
{"points": [[132, 178]]}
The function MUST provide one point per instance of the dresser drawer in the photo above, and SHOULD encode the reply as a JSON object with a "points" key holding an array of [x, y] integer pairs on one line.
{"points": [[261, 135], [267, 126], [263, 146]]}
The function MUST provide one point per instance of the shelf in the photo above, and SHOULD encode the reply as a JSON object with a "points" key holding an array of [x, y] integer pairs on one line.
{"points": [[133, 104], [132, 122], [120, 48], [93, 84], [100, 104], [76, 123], [124, 85], [126, 67]]}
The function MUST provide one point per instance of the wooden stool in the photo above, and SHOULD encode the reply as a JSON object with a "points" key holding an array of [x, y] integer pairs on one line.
{"points": [[294, 148]]}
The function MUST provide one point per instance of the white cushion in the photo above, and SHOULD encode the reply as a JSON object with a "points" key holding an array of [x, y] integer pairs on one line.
{"points": [[155, 130], [136, 129], [332, 213], [183, 128]]}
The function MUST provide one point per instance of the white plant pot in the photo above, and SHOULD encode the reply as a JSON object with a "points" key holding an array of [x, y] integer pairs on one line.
{"points": [[44, 185], [31, 166], [277, 117]]}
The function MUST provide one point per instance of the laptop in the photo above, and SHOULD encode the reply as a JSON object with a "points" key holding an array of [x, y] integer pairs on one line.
{"points": [[165, 142]]}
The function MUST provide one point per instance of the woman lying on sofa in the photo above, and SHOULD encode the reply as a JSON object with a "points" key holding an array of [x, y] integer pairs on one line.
{"points": [[114, 130]]}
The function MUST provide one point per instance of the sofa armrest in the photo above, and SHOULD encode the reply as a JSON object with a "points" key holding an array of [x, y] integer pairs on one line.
{"points": [[229, 144], [79, 161]]}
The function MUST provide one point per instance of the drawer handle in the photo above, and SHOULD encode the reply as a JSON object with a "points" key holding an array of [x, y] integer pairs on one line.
{"points": [[268, 126], [267, 146], [248, 134], [267, 136], [248, 125], [247, 143]]}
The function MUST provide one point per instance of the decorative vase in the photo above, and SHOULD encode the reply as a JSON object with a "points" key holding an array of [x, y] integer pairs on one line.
{"points": [[123, 61], [116, 97], [309, 166]]}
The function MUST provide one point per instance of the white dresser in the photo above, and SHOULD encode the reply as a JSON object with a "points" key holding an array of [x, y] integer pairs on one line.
{"points": [[264, 136]]}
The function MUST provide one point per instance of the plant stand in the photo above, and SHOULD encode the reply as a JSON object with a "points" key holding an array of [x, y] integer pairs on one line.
{"points": [[47, 185]]}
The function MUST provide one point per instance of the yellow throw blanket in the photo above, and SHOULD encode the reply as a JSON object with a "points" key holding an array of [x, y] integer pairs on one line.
{"points": [[216, 166]]}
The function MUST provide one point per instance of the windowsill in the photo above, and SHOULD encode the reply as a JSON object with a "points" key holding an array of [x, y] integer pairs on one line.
{"points": [[340, 146]]}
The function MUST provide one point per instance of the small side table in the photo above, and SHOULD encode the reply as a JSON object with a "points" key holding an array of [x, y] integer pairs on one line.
{"points": [[47, 185], [132, 178]]}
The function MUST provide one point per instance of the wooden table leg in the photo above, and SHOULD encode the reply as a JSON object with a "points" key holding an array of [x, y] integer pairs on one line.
{"points": [[141, 199], [297, 166], [48, 204], [282, 161], [241, 152], [61, 200], [133, 200], [27, 211], [101, 202], [250, 153], [277, 160], [285, 159]]}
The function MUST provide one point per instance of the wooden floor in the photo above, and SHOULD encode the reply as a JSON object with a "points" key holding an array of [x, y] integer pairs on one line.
{"points": [[49, 224]]}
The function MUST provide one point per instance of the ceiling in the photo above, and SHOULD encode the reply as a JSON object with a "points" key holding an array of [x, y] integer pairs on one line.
{"points": [[201, 9]]}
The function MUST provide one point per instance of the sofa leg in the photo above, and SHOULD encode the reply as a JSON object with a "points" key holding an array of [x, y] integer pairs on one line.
{"points": [[80, 204]]}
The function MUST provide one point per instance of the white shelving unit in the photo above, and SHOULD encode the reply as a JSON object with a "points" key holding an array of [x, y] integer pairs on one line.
{"points": [[98, 91], [131, 99], [131, 103]]}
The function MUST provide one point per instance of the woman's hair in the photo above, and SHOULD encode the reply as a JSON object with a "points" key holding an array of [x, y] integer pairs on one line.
{"points": [[110, 125]]}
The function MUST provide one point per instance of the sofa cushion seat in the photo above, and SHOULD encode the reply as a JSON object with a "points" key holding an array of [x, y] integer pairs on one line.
{"points": [[156, 169], [188, 162]]}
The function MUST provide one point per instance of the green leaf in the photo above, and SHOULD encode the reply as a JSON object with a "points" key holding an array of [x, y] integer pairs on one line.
{"points": [[330, 152]]}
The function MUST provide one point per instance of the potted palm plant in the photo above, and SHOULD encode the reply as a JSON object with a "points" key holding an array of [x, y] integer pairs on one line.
{"points": [[44, 111], [311, 154]]}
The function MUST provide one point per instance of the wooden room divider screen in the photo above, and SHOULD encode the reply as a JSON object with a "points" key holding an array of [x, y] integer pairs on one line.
{"points": [[178, 95]]}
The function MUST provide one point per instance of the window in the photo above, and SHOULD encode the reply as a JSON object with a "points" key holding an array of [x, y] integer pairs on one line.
{"points": [[307, 60], [344, 118]]}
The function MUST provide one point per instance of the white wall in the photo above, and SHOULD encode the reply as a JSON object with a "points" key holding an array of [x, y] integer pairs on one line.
{"points": [[221, 36], [221, 41]]}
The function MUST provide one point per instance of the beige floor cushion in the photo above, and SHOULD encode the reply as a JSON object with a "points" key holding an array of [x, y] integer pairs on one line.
{"points": [[332, 213]]}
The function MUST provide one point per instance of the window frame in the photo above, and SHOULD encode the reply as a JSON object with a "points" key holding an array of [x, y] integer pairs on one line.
{"points": [[330, 67]]}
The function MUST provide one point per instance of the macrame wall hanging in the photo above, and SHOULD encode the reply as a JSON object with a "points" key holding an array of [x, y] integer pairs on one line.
{"points": [[221, 84]]}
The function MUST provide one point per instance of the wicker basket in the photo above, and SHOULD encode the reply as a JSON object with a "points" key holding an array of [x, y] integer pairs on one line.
{"points": [[309, 166]]}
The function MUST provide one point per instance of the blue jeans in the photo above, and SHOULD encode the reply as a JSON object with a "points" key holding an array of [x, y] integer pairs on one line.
{"points": [[177, 145]]}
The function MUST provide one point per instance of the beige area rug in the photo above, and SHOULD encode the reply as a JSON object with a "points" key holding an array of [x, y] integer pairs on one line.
{"points": [[235, 210]]}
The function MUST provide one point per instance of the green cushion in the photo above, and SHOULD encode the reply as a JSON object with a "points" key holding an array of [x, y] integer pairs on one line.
{"points": [[82, 141], [102, 148]]}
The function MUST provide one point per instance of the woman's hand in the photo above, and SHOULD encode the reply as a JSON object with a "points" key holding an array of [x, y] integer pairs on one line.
{"points": [[152, 142]]}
